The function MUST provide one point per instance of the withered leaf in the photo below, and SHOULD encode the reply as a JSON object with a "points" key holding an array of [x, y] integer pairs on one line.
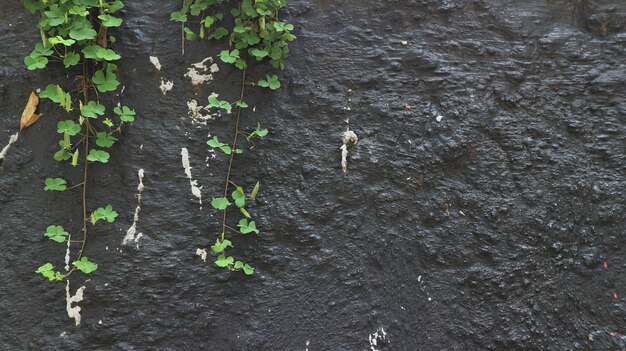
{"points": [[28, 115]]}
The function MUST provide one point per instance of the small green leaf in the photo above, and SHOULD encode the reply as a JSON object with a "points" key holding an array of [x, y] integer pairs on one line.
{"points": [[92, 110], [85, 266], [221, 245], [126, 114], [106, 81], [110, 21], [33, 63], [69, 126], [238, 265], [60, 40], [47, 270], [56, 233], [98, 156], [244, 212], [247, 269], [219, 33], [223, 104], [224, 261], [271, 82], [220, 203], [55, 184], [71, 59], [255, 191], [215, 143], [179, 16], [241, 104], [240, 197], [75, 158], [247, 228], [106, 213], [189, 34], [229, 56], [105, 139]]}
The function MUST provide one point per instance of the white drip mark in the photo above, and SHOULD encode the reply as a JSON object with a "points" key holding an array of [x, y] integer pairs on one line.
{"points": [[378, 336], [12, 140], [67, 253], [195, 190], [202, 253], [155, 61], [348, 137], [73, 312], [196, 114], [130, 233]]}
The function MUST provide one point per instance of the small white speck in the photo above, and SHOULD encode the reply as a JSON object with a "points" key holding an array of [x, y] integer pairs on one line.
{"points": [[419, 279], [429, 299], [106, 248], [100, 321], [404, 42], [461, 213], [402, 308], [439, 118]]}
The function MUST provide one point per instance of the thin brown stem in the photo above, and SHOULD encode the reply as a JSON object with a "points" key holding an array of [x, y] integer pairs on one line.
{"points": [[234, 147]]}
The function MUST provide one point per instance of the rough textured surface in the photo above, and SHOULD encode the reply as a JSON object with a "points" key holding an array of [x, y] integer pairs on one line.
{"points": [[483, 197]]}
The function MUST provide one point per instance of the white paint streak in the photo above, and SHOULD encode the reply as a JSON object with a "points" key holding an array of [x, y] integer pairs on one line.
{"points": [[130, 233], [155, 61], [347, 138], [73, 312], [202, 253], [195, 190], [67, 253], [12, 140], [166, 85], [199, 73]]}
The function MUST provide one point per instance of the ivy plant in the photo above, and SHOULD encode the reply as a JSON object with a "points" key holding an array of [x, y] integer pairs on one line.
{"points": [[75, 34], [254, 33]]}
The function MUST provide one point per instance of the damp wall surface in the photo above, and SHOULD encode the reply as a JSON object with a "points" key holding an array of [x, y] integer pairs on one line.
{"points": [[479, 208]]}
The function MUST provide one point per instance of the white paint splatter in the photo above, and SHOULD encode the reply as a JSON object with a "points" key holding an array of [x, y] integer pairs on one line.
{"points": [[199, 73], [73, 312], [439, 118], [378, 336], [63, 335], [130, 233], [202, 253], [348, 137], [308, 342], [155, 61], [195, 190], [196, 114], [12, 140], [166, 85]]}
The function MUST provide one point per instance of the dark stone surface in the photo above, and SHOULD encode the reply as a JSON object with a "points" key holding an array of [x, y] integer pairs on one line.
{"points": [[506, 208]]}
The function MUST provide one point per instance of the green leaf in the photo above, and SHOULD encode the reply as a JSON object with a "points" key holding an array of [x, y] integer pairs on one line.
{"points": [[241, 104], [189, 34], [55, 184], [271, 82], [106, 82], [82, 30], [126, 114], [105, 139], [245, 213], [68, 126], [56, 233], [224, 261], [255, 191], [60, 40], [37, 62], [241, 64], [248, 9], [178, 16], [229, 56], [91, 51], [247, 269], [238, 265], [215, 143], [240, 197], [85, 266], [71, 59], [98, 156], [75, 158], [220, 203], [219, 33], [107, 54], [110, 21], [92, 110], [221, 245], [246, 228], [47, 270], [258, 53], [106, 213], [223, 104]]}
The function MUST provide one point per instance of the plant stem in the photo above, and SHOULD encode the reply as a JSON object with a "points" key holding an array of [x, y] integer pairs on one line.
{"points": [[234, 147]]}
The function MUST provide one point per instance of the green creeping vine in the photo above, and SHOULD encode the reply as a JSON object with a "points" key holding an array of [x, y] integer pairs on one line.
{"points": [[256, 32], [74, 33]]}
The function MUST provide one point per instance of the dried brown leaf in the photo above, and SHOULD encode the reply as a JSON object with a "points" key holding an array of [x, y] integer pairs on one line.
{"points": [[28, 115]]}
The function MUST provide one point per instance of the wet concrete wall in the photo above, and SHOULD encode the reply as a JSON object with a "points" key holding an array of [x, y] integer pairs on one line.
{"points": [[481, 203]]}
